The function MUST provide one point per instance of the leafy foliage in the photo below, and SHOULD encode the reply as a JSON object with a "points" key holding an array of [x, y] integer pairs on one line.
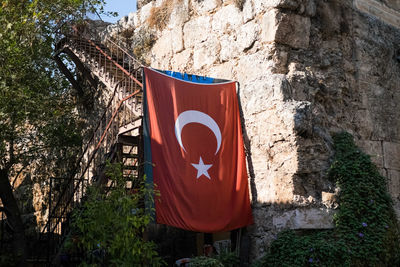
{"points": [[204, 261], [223, 259], [110, 227], [36, 104], [366, 232], [228, 258], [39, 128]]}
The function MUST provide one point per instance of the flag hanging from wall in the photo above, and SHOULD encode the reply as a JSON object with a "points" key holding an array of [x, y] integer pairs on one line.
{"points": [[194, 152]]}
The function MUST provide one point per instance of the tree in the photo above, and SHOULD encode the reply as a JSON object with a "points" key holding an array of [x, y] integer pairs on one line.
{"points": [[37, 118]]}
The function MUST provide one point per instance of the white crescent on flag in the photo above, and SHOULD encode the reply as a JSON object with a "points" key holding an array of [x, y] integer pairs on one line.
{"points": [[194, 116]]}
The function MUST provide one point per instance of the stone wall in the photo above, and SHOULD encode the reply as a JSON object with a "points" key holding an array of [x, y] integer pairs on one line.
{"points": [[306, 69]]}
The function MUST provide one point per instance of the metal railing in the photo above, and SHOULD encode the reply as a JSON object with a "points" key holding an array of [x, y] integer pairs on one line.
{"points": [[121, 70]]}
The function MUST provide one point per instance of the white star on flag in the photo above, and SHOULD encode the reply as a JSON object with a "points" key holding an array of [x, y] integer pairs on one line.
{"points": [[202, 169]]}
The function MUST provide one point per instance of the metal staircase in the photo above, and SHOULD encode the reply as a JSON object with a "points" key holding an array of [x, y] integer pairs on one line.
{"points": [[117, 136]]}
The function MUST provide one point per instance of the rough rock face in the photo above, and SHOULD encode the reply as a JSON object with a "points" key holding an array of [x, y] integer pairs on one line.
{"points": [[307, 69]]}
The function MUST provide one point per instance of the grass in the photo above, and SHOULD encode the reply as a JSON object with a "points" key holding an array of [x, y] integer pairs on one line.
{"points": [[159, 16]]}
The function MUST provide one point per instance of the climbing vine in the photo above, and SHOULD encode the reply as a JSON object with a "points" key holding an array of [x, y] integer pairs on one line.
{"points": [[366, 231]]}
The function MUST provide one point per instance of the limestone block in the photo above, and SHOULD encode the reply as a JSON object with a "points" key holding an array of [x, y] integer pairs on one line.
{"points": [[311, 218], [196, 31], [179, 15], [247, 35], [274, 189], [163, 45], [394, 184], [177, 39], [226, 20], [260, 92], [181, 60], [374, 149], [252, 66], [162, 50], [248, 11], [285, 28], [205, 6], [391, 153], [145, 12], [229, 47], [206, 53], [224, 71]]}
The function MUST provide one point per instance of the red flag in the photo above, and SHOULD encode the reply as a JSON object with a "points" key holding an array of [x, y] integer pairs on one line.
{"points": [[197, 153]]}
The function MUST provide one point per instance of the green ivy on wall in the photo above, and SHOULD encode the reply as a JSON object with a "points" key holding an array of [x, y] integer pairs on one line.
{"points": [[366, 231]]}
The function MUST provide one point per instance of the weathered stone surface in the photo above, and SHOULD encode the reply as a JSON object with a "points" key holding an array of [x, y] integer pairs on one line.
{"points": [[181, 60], [394, 184], [375, 150], [260, 6], [145, 12], [389, 13], [226, 20], [163, 49], [305, 219], [205, 6], [229, 47], [196, 31], [248, 11], [179, 15], [247, 35], [391, 154], [206, 53], [394, 4], [394, 189], [163, 46], [288, 29], [260, 92], [258, 63], [224, 71], [177, 39]]}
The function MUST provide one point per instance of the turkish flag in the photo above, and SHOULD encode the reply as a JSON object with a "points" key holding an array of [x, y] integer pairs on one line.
{"points": [[197, 154]]}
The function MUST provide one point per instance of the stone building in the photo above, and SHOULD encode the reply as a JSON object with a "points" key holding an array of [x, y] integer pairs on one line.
{"points": [[307, 69]]}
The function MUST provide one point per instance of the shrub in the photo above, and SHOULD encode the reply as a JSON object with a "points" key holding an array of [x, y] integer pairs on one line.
{"points": [[109, 228], [223, 259], [159, 16]]}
